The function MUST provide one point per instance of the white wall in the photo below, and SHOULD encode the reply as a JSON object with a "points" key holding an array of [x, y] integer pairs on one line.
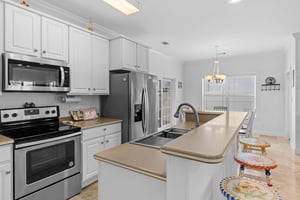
{"points": [[168, 67], [270, 109]]}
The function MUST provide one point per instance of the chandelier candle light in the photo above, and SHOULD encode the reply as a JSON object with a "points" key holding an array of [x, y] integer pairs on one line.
{"points": [[216, 77]]}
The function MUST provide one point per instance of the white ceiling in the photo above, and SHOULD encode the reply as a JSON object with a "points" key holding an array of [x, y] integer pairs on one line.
{"points": [[194, 27]]}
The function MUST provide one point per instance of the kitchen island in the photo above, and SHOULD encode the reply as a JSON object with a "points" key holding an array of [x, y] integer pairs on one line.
{"points": [[189, 167]]}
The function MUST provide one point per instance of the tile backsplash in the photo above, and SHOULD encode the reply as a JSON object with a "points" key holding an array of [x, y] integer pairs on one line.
{"points": [[16, 100]]}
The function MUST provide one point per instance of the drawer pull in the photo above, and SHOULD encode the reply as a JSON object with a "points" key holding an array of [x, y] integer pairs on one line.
{"points": [[7, 172]]}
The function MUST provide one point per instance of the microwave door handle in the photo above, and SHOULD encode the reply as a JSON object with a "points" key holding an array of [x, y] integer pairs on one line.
{"points": [[62, 74]]}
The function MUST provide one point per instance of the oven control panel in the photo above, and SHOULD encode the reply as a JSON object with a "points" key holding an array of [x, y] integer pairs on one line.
{"points": [[21, 114]]}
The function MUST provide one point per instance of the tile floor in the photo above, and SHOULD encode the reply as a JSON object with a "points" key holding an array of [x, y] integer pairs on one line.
{"points": [[285, 178]]}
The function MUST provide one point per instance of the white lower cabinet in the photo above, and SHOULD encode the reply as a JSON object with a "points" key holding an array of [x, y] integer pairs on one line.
{"points": [[94, 140], [6, 172]]}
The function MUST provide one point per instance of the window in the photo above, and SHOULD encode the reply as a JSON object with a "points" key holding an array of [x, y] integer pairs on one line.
{"points": [[165, 103], [237, 93]]}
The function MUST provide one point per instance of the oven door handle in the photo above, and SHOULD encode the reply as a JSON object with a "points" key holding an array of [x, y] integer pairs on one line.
{"points": [[47, 140]]}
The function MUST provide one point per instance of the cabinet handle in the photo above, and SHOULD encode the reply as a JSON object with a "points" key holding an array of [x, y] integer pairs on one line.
{"points": [[44, 52], [7, 172], [107, 141], [35, 50]]}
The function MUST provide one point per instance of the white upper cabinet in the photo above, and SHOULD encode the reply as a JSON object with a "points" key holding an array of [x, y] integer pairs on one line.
{"points": [[80, 61], [88, 63], [128, 55], [30, 34], [142, 57], [22, 31], [54, 39], [100, 68]]}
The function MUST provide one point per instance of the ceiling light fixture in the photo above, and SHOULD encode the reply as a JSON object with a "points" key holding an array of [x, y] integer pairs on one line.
{"points": [[234, 1], [127, 7], [216, 77]]}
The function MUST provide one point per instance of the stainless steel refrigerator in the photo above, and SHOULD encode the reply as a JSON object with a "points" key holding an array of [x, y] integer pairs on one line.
{"points": [[133, 98]]}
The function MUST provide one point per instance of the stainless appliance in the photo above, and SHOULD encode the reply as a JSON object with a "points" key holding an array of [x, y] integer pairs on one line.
{"points": [[47, 154], [133, 98], [27, 73]]}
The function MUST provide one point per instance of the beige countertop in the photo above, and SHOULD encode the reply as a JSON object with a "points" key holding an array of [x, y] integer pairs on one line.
{"points": [[207, 143], [90, 123], [5, 140], [145, 160]]}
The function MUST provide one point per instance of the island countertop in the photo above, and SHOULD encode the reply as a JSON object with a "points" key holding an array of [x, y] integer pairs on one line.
{"points": [[207, 143]]}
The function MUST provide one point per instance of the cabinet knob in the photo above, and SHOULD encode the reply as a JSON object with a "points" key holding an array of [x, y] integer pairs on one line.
{"points": [[94, 89], [89, 89], [102, 142], [107, 141], [35, 50], [44, 52], [7, 172], [104, 129]]}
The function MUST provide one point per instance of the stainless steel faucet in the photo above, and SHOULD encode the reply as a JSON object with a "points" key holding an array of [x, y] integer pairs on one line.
{"points": [[176, 115]]}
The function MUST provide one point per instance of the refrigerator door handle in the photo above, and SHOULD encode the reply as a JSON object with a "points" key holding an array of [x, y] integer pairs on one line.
{"points": [[143, 110], [146, 111]]}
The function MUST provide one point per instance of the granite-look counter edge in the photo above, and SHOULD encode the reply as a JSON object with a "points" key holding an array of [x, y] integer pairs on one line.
{"points": [[5, 140], [90, 123], [209, 142]]}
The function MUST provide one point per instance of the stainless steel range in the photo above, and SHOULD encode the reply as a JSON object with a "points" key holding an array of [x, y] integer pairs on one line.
{"points": [[47, 154]]}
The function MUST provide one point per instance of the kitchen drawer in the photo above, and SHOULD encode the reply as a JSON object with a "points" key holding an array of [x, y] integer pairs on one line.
{"points": [[99, 131], [5, 152]]}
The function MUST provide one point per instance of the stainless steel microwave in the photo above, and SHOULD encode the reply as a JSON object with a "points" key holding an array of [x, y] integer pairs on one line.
{"points": [[31, 74]]}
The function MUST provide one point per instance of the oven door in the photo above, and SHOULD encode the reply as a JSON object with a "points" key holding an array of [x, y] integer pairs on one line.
{"points": [[41, 165]]}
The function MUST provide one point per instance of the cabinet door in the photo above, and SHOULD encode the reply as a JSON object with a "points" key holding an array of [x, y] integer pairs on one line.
{"points": [[89, 164], [5, 181], [100, 68], [129, 54], [22, 31], [80, 61], [112, 140], [142, 58], [54, 40]]}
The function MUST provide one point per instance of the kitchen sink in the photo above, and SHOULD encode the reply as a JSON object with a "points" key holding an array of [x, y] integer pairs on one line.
{"points": [[171, 133], [160, 138]]}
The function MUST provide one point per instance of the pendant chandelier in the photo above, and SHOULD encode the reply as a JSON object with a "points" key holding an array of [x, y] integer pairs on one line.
{"points": [[216, 77]]}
